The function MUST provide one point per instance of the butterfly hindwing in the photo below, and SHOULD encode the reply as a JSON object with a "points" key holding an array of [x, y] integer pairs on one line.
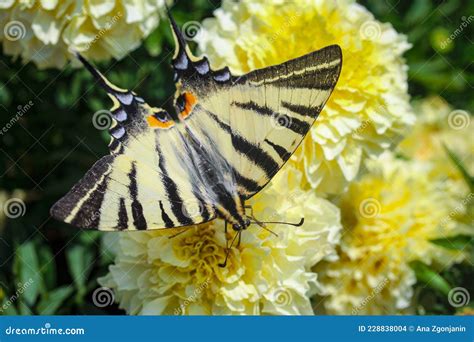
{"points": [[117, 194]]}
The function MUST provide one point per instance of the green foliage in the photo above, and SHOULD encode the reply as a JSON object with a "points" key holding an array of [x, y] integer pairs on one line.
{"points": [[53, 143], [35, 271], [429, 277], [457, 162], [440, 60]]}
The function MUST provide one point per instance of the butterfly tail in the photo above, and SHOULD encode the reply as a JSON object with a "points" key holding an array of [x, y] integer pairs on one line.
{"points": [[183, 60], [100, 78]]}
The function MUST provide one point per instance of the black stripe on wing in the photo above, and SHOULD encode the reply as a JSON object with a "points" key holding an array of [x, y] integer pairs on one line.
{"points": [[292, 123], [166, 219], [89, 213], [312, 112], [172, 191], [253, 152], [316, 70], [318, 79], [282, 152], [122, 215], [139, 220], [249, 185], [92, 187]]}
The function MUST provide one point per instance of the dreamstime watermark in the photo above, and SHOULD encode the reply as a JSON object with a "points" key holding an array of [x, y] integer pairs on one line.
{"points": [[369, 207], [14, 30], [458, 297], [459, 119], [192, 30], [363, 126], [21, 110], [192, 208], [21, 288], [282, 297], [458, 210], [370, 30], [102, 297], [14, 208], [465, 22], [366, 124], [103, 31], [281, 121], [283, 28], [46, 330], [380, 286], [181, 310], [102, 119], [90, 220]]}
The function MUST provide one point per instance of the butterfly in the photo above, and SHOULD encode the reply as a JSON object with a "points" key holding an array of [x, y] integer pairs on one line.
{"points": [[224, 141]]}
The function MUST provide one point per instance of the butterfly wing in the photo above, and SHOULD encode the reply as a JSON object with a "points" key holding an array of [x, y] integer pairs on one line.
{"points": [[147, 180], [262, 116]]}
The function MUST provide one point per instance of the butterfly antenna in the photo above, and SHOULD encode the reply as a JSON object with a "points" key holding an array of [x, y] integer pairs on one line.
{"points": [[223, 264], [262, 225], [299, 224], [177, 234]]}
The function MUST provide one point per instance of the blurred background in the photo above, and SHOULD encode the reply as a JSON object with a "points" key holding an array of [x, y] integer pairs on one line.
{"points": [[54, 143]]}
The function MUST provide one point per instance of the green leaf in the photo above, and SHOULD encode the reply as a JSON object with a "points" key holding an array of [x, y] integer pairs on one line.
{"points": [[90, 237], [459, 164], [153, 43], [459, 242], [48, 268], [50, 303], [24, 309], [426, 275], [418, 11], [29, 272], [80, 262], [9, 309]]}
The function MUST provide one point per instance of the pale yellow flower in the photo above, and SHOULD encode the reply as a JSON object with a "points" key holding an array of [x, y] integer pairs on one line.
{"points": [[153, 274], [44, 31], [439, 124], [370, 105], [389, 217]]}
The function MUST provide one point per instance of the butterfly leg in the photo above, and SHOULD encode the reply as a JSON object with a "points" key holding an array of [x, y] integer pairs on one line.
{"points": [[223, 264], [251, 210], [225, 235], [255, 220], [261, 224]]}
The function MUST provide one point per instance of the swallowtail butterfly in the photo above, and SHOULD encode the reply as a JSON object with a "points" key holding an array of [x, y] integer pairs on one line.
{"points": [[226, 139]]}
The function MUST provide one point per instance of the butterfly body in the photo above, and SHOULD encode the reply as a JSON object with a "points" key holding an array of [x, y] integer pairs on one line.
{"points": [[224, 141]]}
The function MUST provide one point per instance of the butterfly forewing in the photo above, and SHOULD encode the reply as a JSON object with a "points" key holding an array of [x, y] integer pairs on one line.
{"points": [[261, 118]]}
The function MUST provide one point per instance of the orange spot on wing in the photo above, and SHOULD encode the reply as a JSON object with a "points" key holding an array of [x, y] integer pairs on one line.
{"points": [[189, 101], [155, 123]]}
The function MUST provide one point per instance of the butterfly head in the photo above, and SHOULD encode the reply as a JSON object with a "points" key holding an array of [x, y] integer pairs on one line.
{"points": [[242, 224]]}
